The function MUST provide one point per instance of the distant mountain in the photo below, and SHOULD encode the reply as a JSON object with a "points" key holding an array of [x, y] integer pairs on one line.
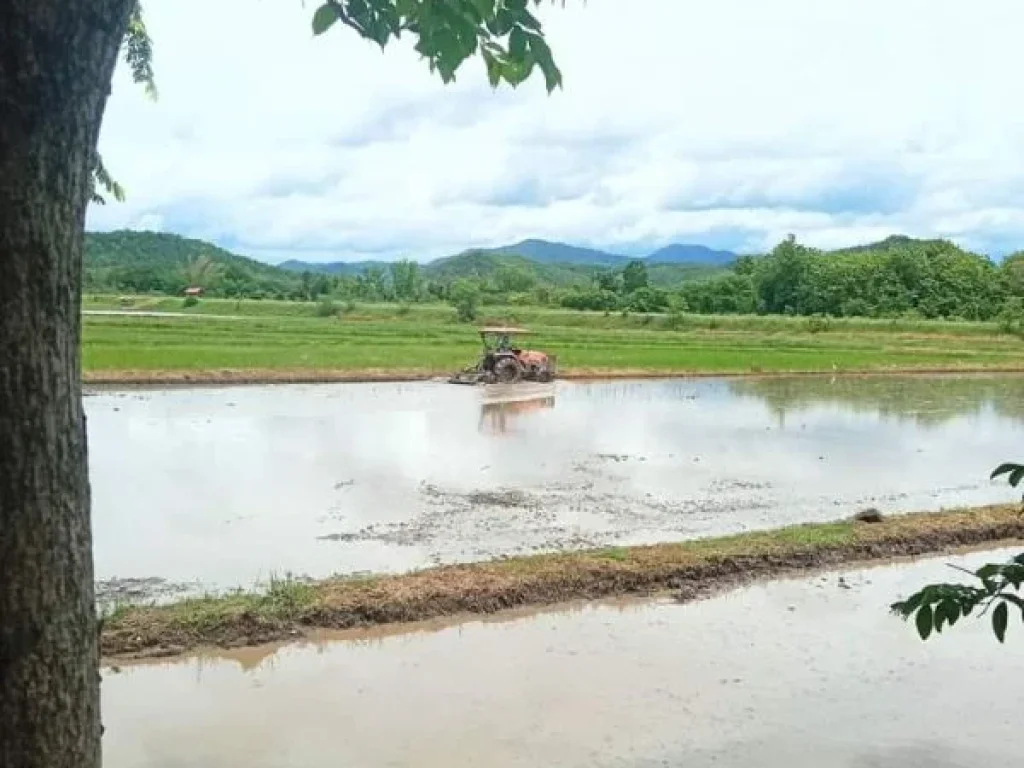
{"points": [[342, 268], [543, 252], [546, 252], [678, 253], [486, 264]]}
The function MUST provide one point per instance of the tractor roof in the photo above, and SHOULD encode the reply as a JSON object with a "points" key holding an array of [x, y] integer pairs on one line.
{"points": [[503, 329]]}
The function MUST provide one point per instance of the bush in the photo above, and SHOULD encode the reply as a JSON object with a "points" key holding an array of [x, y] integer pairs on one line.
{"points": [[675, 320], [404, 309], [464, 295], [819, 323], [594, 299], [520, 299], [190, 301], [326, 308], [1011, 317], [647, 300]]}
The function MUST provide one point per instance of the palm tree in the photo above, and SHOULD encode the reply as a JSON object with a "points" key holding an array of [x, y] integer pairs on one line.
{"points": [[201, 271]]}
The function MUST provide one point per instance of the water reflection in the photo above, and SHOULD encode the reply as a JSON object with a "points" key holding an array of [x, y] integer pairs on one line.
{"points": [[926, 401], [795, 673], [227, 486], [500, 417]]}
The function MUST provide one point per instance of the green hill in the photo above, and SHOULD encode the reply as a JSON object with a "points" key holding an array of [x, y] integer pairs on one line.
{"points": [[156, 262], [495, 265]]}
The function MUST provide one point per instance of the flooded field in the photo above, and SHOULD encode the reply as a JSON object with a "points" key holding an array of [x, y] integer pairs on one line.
{"points": [[214, 488], [790, 674]]}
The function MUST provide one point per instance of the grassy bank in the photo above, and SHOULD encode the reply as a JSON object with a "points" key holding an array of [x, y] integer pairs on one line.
{"points": [[270, 341], [691, 569]]}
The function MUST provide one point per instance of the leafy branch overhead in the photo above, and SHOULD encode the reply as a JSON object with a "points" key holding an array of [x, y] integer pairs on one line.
{"points": [[137, 50], [505, 33], [942, 605]]}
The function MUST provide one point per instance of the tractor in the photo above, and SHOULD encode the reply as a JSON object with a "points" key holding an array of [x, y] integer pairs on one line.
{"points": [[503, 362]]}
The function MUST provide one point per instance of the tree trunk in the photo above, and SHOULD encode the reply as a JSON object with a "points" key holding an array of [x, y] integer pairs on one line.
{"points": [[56, 61]]}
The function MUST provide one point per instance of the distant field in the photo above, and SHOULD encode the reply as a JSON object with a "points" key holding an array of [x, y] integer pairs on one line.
{"points": [[267, 336]]}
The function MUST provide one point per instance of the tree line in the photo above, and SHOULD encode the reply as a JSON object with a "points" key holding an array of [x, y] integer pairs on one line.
{"points": [[896, 278], [899, 277]]}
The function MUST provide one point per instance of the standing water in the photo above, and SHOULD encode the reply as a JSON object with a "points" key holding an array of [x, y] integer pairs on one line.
{"points": [[225, 487], [808, 673]]}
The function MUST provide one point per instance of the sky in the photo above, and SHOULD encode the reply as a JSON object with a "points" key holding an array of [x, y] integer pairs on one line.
{"points": [[729, 123]]}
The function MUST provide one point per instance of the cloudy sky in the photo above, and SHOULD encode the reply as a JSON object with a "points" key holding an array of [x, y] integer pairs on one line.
{"points": [[729, 123]]}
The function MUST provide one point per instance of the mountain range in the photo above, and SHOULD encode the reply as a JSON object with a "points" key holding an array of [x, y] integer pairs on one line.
{"points": [[134, 261], [550, 253]]}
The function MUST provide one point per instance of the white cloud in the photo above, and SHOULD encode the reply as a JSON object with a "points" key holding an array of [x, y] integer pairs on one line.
{"points": [[732, 122]]}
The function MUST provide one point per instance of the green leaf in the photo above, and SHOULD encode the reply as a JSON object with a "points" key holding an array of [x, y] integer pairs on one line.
{"points": [[485, 8], [517, 44], [324, 18], [924, 621], [1004, 469], [528, 20], [999, 618], [952, 612], [987, 571], [1016, 476], [493, 67], [542, 54]]}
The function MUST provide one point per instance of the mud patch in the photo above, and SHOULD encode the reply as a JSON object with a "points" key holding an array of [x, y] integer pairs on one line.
{"points": [[459, 526], [116, 591], [690, 569]]}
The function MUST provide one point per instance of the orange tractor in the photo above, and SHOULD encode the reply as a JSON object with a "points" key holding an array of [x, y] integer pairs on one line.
{"points": [[502, 361]]}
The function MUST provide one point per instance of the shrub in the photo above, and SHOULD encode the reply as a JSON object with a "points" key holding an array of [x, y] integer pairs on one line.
{"points": [[326, 308], [819, 323], [647, 300], [593, 299], [190, 301], [464, 295], [675, 320], [1011, 317]]}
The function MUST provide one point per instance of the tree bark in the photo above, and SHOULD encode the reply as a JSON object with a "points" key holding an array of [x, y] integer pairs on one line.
{"points": [[56, 61]]}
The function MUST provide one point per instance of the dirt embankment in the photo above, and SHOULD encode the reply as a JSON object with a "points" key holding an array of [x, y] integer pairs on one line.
{"points": [[691, 569], [374, 375]]}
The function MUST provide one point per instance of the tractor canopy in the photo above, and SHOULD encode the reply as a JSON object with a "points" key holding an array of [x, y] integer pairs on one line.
{"points": [[500, 337]]}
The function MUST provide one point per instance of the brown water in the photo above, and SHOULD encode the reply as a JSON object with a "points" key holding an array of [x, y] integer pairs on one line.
{"points": [[790, 674], [224, 487]]}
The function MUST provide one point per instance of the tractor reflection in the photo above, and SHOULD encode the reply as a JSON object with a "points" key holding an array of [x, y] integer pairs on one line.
{"points": [[499, 417]]}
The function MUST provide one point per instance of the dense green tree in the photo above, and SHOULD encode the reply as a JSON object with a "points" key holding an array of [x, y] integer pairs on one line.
{"points": [[647, 300], [514, 278], [592, 299], [406, 282], [933, 279], [1012, 271], [634, 276], [464, 294], [58, 57], [608, 280]]}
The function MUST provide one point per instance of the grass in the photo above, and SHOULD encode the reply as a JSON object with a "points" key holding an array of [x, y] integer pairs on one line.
{"points": [[260, 339], [695, 568]]}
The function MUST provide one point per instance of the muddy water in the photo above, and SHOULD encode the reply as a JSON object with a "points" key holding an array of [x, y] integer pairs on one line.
{"points": [[223, 487], [789, 674]]}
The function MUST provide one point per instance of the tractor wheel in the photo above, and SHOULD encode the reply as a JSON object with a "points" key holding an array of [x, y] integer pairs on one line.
{"points": [[508, 371]]}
